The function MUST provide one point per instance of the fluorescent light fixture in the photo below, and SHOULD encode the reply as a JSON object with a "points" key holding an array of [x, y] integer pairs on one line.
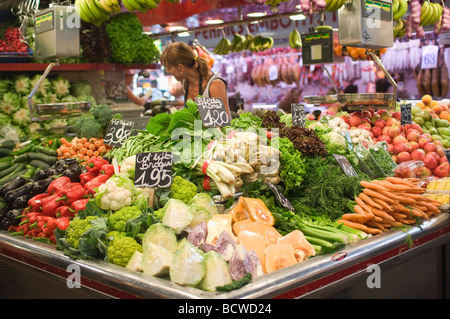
{"points": [[184, 34], [299, 6], [214, 21], [256, 14], [175, 28], [299, 16]]}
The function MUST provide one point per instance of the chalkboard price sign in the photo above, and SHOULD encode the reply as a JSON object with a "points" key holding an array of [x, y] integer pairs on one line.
{"points": [[405, 111], [298, 114], [153, 169], [118, 132], [212, 112], [345, 165], [447, 154], [280, 197]]}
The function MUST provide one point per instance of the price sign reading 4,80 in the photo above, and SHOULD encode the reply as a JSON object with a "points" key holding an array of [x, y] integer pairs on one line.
{"points": [[118, 131], [212, 111], [153, 170]]}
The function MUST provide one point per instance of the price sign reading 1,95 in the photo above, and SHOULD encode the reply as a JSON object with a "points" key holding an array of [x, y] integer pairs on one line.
{"points": [[153, 169], [212, 112], [405, 111], [298, 114], [118, 131]]}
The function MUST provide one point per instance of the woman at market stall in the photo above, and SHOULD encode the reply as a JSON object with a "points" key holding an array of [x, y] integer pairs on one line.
{"points": [[131, 96], [181, 61]]}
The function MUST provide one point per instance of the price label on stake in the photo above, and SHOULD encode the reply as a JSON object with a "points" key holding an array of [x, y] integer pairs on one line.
{"points": [[405, 111], [298, 114], [118, 131], [212, 112], [345, 165], [447, 154], [153, 169], [280, 197], [430, 55]]}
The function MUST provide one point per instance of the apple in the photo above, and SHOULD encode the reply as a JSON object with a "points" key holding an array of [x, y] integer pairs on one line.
{"points": [[443, 160], [403, 157], [435, 155], [397, 115], [384, 130], [399, 148], [430, 162], [394, 158], [423, 140], [354, 121], [365, 126], [437, 142], [384, 137], [417, 127], [413, 135], [380, 123], [384, 115], [346, 119], [376, 131], [374, 119], [399, 139], [440, 150], [367, 114], [446, 164], [390, 148], [391, 121], [414, 145], [440, 171], [424, 172], [428, 136], [418, 155], [393, 131], [430, 147]]}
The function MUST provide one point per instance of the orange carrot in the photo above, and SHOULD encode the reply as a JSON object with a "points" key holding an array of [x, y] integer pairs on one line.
{"points": [[383, 214], [357, 218], [390, 186], [379, 195], [398, 180], [372, 185], [373, 231], [398, 216], [65, 142], [353, 224], [398, 198], [369, 201], [358, 209], [374, 224], [383, 204]]}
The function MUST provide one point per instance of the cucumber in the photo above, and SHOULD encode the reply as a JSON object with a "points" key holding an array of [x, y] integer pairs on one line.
{"points": [[5, 165], [50, 160], [46, 150], [9, 144], [37, 163], [8, 170], [19, 170], [20, 159], [5, 152]]}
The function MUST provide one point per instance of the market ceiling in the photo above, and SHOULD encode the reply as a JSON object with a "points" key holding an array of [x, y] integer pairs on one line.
{"points": [[194, 13]]}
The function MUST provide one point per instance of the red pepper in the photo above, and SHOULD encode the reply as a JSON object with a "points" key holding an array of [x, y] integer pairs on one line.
{"points": [[62, 223], [50, 227], [58, 185], [95, 164], [86, 177], [79, 204], [96, 182], [36, 201], [71, 194], [108, 169], [64, 211], [50, 206]]}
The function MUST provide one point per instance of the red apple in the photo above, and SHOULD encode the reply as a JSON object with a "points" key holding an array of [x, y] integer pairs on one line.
{"points": [[346, 119], [440, 150], [440, 171], [376, 131], [430, 162], [365, 126], [397, 115], [384, 137], [367, 114], [390, 148], [428, 136], [391, 121], [413, 135], [394, 158], [399, 139], [385, 115], [408, 147], [430, 147], [354, 121], [423, 140], [374, 119], [380, 123], [437, 142], [399, 148], [417, 127], [414, 145], [435, 155], [393, 131], [403, 157], [418, 155], [384, 131], [424, 172], [443, 160]]}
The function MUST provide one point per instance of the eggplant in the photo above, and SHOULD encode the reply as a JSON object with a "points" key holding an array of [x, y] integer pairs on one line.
{"points": [[21, 201], [73, 172], [11, 218], [11, 196], [12, 184], [40, 186], [67, 161], [41, 174], [3, 212]]}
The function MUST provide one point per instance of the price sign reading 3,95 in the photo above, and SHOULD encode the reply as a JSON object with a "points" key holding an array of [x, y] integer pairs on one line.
{"points": [[153, 170], [212, 111], [118, 131]]}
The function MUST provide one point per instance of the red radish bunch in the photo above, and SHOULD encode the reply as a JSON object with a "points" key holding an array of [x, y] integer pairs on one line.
{"points": [[12, 41]]}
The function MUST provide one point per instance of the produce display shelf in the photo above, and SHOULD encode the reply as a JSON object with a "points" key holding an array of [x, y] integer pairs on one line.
{"points": [[75, 66], [298, 281]]}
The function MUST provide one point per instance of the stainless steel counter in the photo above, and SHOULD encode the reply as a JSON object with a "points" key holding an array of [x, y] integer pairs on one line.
{"points": [[303, 280]]}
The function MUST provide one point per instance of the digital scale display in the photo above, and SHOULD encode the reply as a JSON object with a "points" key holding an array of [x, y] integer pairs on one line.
{"points": [[44, 22], [378, 10], [317, 48]]}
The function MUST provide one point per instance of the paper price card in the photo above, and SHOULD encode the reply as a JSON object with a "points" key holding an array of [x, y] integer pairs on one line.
{"points": [[118, 132], [430, 56], [406, 116], [298, 114], [212, 112], [153, 169]]}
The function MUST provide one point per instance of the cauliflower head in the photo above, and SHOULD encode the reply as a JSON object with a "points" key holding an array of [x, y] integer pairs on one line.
{"points": [[128, 166], [118, 219], [77, 228], [183, 189], [121, 249], [117, 192]]}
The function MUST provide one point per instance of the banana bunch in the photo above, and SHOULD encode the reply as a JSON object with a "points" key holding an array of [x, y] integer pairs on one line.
{"points": [[333, 5], [295, 40], [274, 3], [223, 47], [140, 5], [93, 11], [238, 42], [430, 13], [260, 43], [399, 8], [399, 28]]}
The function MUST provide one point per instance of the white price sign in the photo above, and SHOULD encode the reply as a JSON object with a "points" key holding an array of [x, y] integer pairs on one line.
{"points": [[430, 57]]}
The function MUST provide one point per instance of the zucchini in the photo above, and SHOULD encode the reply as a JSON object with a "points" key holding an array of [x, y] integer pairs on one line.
{"points": [[5, 159], [5, 152], [5, 165], [37, 163], [46, 150], [9, 144], [20, 159], [8, 170], [19, 170], [50, 160]]}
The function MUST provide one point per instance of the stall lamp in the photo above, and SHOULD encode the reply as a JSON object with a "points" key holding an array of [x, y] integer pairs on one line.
{"points": [[256, 14], [175, 28], [214, 21], [184, 34], [296, 17]]}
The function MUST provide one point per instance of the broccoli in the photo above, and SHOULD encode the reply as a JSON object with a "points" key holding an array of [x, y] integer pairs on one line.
{"points": [[87, 126], [118, 220], [183, 189], [113, 234], [121, 249], [77, 228], [103, 114]]}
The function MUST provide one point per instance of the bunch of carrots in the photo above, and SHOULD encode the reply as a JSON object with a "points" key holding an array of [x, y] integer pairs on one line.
{"points": [[82, 148], [388, 203]]}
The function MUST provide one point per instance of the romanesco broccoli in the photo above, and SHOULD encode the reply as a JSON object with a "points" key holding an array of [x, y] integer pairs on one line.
{"points": [[121, 249], [183, 189], [76, 229], [113, 234], [118, 220]]}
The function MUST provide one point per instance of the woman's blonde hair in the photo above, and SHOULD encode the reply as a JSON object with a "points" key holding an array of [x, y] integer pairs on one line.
{"points": [[180, 53]]}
